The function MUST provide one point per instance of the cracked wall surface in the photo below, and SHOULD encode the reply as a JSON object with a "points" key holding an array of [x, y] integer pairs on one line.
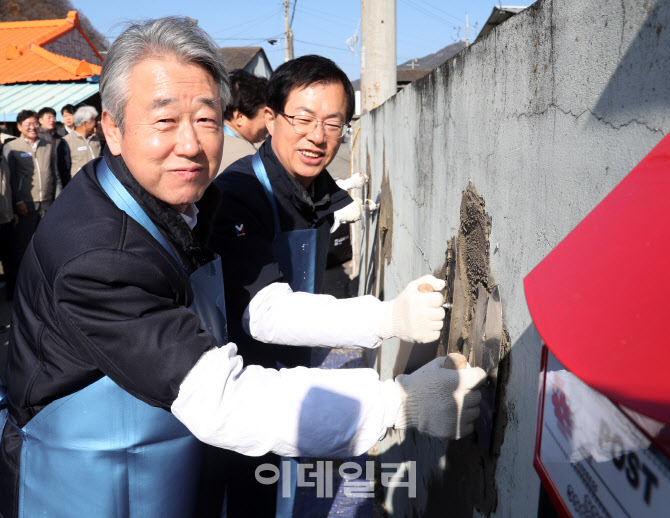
{"points": [[544, 116]]}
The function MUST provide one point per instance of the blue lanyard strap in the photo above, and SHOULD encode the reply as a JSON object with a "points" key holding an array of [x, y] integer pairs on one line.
{"points": [[124, 201], [228, 131], [262, 175]]}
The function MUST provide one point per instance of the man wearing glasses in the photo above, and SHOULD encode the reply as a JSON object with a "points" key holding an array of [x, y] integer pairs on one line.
{"points": [[33, 178], [272, 230]]}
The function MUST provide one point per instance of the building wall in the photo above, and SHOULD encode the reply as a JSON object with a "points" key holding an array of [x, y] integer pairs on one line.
{"points": [[75, 46], [542, 118], [259, 66]]}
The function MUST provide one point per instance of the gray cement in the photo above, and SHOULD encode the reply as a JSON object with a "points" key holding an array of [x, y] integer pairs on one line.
{"points": [[544, 117]]}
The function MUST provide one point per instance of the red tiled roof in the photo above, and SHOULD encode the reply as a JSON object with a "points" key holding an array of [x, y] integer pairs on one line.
{"points": [[22, 59]]}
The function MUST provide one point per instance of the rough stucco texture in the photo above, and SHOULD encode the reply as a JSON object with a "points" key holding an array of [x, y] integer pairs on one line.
{"points": [[544, 116]]}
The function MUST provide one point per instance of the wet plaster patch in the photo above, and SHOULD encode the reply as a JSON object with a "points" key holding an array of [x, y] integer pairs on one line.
{"points": [[386, 217], [468, 480], [369, 261], [471, 269], [383, 242], [464, 480], [384, 231]]}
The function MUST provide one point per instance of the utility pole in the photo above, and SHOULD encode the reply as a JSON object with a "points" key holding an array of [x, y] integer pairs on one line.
{"points": [[378, 52], [288, 33], [467, 30]]}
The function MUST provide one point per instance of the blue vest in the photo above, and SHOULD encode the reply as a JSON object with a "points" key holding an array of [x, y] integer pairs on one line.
{"points": [[301, 255], [101, 452]]}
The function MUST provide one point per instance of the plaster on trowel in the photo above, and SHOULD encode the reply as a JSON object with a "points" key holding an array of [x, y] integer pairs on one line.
{"points": [[488, 329]]}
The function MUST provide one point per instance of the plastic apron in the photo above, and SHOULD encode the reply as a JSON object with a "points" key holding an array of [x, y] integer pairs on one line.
{"points": [[301, 255], [108, 452]]}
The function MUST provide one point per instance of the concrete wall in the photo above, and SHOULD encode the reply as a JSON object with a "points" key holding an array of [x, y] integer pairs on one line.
{"points": [[544, 117]]}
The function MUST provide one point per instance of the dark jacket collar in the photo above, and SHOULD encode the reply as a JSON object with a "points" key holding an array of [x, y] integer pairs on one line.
{"points": [[189, 244], [324, 196], [48, 135]]}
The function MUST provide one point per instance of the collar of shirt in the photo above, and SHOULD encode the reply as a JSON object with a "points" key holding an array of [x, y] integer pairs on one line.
{"points": [[234, 130], [82, 137], [190, 215], [34, 146], [320, 191]]}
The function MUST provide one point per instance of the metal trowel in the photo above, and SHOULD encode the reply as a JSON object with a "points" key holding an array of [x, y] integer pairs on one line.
{"points": [[486, 354], [488, 331]]}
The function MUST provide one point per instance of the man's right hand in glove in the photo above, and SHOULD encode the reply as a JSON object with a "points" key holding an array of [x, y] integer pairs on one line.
{"points": [[414, 316], [439, 402]]}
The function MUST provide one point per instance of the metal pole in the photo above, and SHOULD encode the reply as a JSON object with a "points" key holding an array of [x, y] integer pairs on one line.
{"points": [[378, 52]]}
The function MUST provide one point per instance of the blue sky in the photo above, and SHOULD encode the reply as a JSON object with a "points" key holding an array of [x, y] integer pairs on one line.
{"points": [[423, 27]]}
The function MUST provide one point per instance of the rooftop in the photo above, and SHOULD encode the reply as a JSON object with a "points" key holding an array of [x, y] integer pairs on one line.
{"points": [[23, 58]]}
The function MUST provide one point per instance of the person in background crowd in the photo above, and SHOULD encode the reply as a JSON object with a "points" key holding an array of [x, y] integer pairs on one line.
{"points": [[67, 116], [82, 145], [30, 161], [244, 123], [47, 119], [5, 135], [8, 220]]}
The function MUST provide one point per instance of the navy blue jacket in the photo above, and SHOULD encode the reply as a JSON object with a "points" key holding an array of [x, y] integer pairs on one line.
{"points": [[98, 295], [242, 233]]}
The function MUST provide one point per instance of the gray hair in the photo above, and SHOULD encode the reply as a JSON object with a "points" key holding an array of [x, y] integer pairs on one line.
{"points": [[84, 114], [169, 36]]}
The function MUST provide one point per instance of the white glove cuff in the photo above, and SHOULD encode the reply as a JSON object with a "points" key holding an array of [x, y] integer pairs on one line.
{"points": [[386, 320], [401, 417], [391, 396]]}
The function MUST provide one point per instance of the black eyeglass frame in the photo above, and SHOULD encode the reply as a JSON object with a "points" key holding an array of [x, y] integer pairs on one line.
{"points": [[289, 118]]}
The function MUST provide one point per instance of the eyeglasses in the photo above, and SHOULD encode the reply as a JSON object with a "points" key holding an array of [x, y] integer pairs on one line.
{"points": [[304, 124], [29, 125]]}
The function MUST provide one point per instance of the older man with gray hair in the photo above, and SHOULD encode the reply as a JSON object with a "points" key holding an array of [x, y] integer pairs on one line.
{"points": [[81, 145], [119, 364]]}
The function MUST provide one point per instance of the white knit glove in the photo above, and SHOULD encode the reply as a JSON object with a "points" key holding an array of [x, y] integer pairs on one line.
{"points": [[414, 316], [439, 402], [351, 212], [353, 182]]}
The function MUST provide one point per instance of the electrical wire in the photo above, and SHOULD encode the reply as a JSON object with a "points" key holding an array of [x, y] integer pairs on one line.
{"points": [[253, 20], [244, 26], [324, 46], [432, 15], [329, 17], [442, 11], [259, 38], [293, 15]]}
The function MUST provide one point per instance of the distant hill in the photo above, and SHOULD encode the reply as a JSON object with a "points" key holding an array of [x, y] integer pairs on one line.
{"points": [[26, 10], [429, 62], [433, 61]]}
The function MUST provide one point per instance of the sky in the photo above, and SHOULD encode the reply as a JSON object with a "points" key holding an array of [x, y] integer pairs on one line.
{"points": [[423, 27]]}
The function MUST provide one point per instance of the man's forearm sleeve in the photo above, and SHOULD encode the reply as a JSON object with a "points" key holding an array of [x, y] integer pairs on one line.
{"points": [[277, 315], [291, 412]]}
